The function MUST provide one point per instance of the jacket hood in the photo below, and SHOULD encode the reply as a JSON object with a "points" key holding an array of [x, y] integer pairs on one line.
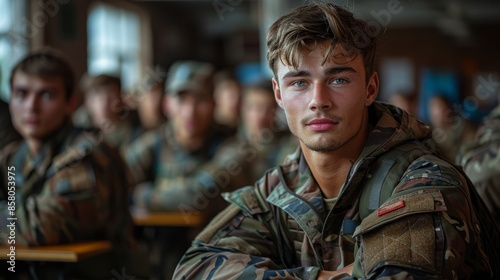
{"points": [[392, 126]]}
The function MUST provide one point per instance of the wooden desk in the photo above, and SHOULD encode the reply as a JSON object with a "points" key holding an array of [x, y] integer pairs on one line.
{"points": [[166, 219], [58, 253]]}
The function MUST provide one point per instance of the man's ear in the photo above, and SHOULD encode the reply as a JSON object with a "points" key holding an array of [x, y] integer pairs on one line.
{"points": [[372, 89], [277, 93]]}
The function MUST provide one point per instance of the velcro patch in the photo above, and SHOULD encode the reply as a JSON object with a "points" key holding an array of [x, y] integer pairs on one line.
{"points": [[409, 241], [391, 207]]}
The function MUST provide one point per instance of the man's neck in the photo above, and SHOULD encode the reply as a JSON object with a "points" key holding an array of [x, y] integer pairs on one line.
{"points": [[34, 146], [191, 143], [330, 170]]}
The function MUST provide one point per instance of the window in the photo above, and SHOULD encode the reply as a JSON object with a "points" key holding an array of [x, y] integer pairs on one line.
{"points": [[114, 43], [13, 39]]}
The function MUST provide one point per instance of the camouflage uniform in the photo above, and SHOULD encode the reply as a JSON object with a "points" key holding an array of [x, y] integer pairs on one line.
{"points": [[419, 223], [449, 140], [269, 152], [174, 179], [481, 162], [73, 190]]}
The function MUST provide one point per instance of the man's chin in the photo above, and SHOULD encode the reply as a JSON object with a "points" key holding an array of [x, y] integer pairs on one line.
{"points": [[323, 146]]}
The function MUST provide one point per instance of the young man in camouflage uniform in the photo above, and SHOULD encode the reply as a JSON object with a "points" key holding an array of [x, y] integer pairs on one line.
{"points": [[481, 162], [184, 165], [67, 186], [363, 197]]}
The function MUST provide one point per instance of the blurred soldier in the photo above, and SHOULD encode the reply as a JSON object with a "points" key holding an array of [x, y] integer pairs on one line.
{"points": [[177, 165], [404, 100], [183, 166], [148, 99], [227, 95], [67, 186], [103, 101], [265, 143], [450, 130], [481, 162], [364, 197]]}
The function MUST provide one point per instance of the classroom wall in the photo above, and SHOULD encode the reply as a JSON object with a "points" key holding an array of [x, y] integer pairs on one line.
{"points": [[177, 34]]}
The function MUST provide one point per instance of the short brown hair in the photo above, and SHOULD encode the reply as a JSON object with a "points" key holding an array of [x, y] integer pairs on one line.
{"points": [[317, 22], [47, 63], [89, 82]]}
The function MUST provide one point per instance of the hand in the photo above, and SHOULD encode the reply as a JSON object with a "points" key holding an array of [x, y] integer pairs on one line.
{"points": [[326, 274]]}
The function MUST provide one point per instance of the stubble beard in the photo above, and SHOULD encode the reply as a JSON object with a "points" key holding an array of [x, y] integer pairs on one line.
{"points": [[330, 143]]}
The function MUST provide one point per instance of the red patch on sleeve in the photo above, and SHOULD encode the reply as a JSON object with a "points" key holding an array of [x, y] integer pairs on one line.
{"points": [[391, 207]]}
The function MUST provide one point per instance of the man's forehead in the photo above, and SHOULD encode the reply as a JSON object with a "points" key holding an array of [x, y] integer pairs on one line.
{"points": [[340, 62], [26, 78], [191, 94]]}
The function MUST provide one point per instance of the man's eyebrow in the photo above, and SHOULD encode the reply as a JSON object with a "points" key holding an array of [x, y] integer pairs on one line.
{"points": [[300, 73], [336, 70]]}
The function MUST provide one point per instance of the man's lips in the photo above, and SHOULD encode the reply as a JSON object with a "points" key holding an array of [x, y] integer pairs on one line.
{"points": [[321, 124], [32, 121]]}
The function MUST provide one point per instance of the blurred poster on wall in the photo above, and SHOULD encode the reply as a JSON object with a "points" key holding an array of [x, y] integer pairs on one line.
{"points": [[437, 82]]}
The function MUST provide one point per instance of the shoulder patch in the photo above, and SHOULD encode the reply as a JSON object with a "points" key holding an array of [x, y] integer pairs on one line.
{"points": [[410, 241], [391, 207], [423, 201]]}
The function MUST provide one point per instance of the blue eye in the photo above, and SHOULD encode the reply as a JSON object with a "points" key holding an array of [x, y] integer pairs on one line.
{"points": [[339, 81], [20, 94], [46, 95], [299, 83]]}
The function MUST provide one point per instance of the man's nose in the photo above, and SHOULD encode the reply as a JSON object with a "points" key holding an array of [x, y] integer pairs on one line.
{"points": [[321, 98], [32, 103]]}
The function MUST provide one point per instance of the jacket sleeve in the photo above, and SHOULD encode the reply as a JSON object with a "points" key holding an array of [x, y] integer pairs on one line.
{"points": [[427, 229], [236, 245], [140, 157]]}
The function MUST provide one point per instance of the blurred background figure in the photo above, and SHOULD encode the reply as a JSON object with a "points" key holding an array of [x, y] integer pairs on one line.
{"points": [[103, 102], [259, 129], [480, 160], [450, 130], [67, 195], [149, 100], [180, 165], [227, 95], [405, 100]]}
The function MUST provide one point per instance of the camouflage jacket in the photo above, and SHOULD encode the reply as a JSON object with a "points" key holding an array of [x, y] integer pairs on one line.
{"points": [[167, 177], [269, 152], [481, 162], [73, 190], [420, 224]]}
